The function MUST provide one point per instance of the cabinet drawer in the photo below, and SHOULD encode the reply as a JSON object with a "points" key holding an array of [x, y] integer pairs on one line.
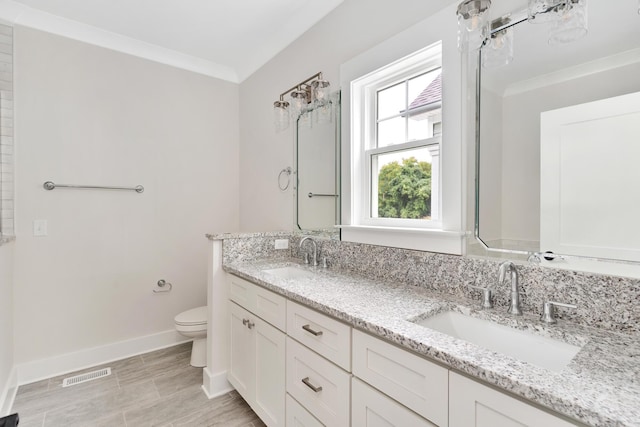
{"points": [[320, 386], [411, 380], [370, 408], [326, 336], [297, 416], [265, 304], [475, 405]]}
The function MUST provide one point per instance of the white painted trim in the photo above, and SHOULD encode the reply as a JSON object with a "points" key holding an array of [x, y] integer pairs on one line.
{"points": [[582, 70], [9, 393], [29, 372], [215, 385], [448, 242], [18, 14]]}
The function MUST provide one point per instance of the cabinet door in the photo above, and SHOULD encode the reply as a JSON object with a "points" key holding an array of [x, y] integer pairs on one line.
{"points": [[297, 416], [413, 381], [322, 334], [241, 372], [320, 386], [370, 408], [270, 373], [472, 404]]}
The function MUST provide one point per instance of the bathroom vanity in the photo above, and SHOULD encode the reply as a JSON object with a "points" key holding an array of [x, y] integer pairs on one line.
{"points": [[313, 346]]}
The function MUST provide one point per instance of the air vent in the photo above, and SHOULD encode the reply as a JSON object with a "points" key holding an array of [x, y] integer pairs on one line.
{"points": [[83, 378]]}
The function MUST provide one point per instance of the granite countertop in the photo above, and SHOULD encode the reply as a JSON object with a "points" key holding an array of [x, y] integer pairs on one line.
{"points": [[600, 386]]}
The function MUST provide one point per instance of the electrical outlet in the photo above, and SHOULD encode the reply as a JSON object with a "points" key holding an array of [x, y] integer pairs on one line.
{"points": [[40, 227], [282, 244]]}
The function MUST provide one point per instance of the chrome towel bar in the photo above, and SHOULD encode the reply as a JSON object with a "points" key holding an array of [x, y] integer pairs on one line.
{"points": [[50, 186], [321, 195]]}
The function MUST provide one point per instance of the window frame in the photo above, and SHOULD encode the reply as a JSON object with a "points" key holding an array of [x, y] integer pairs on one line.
{"points": [[437, 28]]}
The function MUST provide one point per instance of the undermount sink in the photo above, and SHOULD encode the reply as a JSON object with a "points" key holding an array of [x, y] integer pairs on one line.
{"points": [[289, 273], [538, 350]]}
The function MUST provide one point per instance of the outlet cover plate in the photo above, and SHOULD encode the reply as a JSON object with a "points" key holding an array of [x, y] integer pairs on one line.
{"points": [[282, 244]]}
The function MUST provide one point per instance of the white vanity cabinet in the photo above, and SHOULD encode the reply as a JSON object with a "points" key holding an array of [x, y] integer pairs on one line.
{"points": [[257, 350], [417, 383], [370, 408], [285, 355], [319, 365], [472, 404]]}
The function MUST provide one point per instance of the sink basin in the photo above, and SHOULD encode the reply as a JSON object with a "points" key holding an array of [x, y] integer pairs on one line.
{"points": [[289, 273], [541, 351]]}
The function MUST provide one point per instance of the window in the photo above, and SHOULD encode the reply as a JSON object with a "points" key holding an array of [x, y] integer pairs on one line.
{"points": [[381, 90], [399, 147]]}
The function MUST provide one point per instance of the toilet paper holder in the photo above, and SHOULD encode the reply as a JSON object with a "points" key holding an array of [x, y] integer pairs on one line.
{"points": [[162, 284]]}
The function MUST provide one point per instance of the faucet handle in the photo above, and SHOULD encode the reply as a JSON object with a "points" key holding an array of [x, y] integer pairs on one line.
{"points": [[549, 311], [487, 294]]}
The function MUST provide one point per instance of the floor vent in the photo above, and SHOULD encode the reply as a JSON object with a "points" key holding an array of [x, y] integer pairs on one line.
{"points": [[83, 378]]}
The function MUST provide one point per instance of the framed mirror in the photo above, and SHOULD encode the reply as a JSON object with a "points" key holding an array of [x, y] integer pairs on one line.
{"points": [[557, 142], [317, 167]]}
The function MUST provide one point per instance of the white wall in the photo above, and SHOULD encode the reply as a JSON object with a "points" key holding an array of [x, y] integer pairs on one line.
{"points": [[6, 320], [349, 30], [88, 115]]}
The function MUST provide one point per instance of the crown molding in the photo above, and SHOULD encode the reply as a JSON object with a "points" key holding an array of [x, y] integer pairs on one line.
{"points": [[14, 13]]}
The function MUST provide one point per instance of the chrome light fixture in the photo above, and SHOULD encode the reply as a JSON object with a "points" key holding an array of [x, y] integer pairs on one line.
{"points": [[498, 50], [542, 11], [312, 90], [571, 24], [281, 115], [473, 26]]}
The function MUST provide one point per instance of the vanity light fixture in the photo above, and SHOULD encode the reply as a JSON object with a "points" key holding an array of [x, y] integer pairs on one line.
{"points": [[498, 49], [314, 90], [569, 19], [542, 11], [571, 24], [473, 24]]}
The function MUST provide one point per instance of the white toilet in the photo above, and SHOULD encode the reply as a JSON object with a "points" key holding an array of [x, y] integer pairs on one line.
{"points": [[193, 324]]}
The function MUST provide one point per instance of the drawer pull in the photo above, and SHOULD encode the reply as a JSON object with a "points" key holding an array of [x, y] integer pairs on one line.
{"points": [[311, 331], [316, 389], [250, 325], [245, 322]]}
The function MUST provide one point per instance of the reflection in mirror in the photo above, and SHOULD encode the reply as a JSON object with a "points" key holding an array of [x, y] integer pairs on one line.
{"points": [[579, 195], [317, 151]]}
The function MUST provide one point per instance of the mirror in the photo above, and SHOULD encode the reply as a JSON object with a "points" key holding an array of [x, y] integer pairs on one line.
{"points": [[317, 167], [538, 191]]}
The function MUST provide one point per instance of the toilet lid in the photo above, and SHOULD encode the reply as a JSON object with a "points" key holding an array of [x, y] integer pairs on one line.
{"points": [[195, 316]]}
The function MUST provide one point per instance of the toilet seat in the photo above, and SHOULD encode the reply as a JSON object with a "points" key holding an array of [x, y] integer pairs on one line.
{"points": [[194, 317]]}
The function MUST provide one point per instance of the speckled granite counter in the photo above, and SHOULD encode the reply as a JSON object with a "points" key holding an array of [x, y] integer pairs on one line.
{"points": [[600, 387]]}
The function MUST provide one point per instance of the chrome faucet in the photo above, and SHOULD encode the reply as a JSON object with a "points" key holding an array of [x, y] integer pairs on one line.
{"points": [[315, 250], [514, 308]]}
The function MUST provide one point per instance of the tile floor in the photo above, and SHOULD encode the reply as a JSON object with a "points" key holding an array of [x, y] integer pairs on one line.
{"points": [[152, 389]]}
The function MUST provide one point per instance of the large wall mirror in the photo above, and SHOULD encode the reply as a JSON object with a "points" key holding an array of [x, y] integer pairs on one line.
{"points": [[317, 167], [558, 142]]}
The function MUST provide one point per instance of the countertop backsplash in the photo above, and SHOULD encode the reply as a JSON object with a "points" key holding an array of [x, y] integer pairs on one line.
{"points": [[607, 302]]}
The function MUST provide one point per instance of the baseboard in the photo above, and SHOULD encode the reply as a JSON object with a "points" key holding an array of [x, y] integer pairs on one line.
{"points": [[9, 393], [58, 365], [215, 385]]}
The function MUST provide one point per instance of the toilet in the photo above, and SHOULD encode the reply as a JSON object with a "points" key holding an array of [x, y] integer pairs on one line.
{"points": [[193, 324]]}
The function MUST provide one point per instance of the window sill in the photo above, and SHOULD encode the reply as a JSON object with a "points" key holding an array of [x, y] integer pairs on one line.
{"points": [[430, 240]]}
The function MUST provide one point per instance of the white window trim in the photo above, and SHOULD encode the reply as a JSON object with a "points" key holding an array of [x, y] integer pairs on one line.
{"points": [[449, 237]]}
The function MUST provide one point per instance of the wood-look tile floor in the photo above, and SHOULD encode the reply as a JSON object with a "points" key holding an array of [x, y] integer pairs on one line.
{"points": [[152, 389]]}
